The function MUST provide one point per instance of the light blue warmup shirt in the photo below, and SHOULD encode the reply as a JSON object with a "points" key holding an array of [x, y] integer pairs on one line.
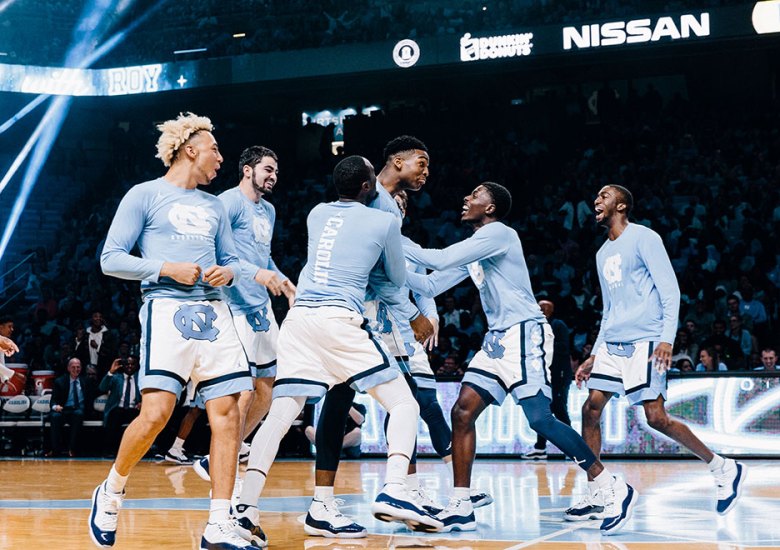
{"points": [[253, 228], [169, 224], [639, 289], [493, 257], [346, 241]]}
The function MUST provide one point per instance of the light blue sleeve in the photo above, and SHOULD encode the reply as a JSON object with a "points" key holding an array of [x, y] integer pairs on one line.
{"points": [[437, 282], [480, 246], [225, 247], [426, 305], [125, 229], [393, 256], [396, 299], [657, 261]]}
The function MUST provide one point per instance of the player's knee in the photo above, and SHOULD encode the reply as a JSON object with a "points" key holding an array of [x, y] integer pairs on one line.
{"points": [[591, 414], [462, 417], [658, 419], [155, 419], [541, 424]]}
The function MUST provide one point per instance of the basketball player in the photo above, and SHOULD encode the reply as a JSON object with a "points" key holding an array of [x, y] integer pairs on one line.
{"points": [[346, 241], [406, 168], [633, 350], [187, 253], [515, 356], [252, 222]]}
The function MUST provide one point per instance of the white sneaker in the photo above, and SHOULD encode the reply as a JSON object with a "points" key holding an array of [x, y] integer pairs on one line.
{"points": [[223, 536], [535, 454], [458, 516], [178, 456], [201, 467], [590, 507], [248, 525], [396, 503], [480, 499], [424, 500], [324, 519], [729, 480], [619, 501], [103, 516]]}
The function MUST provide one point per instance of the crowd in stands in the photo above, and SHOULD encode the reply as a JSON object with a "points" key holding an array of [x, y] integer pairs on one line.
{"points": [[279, 25]]}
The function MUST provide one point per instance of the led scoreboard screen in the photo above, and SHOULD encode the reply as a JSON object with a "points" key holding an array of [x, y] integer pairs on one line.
{"points": [[737, 415]]}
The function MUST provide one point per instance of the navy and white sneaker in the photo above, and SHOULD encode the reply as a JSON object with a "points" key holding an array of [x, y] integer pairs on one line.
{"points": [[103, 516], [534, 454], [619, 501], [424, 500], [396, 503], [458, 516], [248, 525], [729, 480], [201, 468], [223, 535], [590, 507], [324, 519], [178, 456], [480, 499]]}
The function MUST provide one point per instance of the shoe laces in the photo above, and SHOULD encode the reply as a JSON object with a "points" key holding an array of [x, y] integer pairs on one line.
{"points": [[228, 532], [455, 504], [331, 505], [110, 503], [590, 499], [422, 497], [723, 479]]}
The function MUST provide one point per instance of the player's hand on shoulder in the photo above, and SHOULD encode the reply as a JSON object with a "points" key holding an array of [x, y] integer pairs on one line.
{"points": [[583, 371], [186, 273], [218, 275], [270, 280]]}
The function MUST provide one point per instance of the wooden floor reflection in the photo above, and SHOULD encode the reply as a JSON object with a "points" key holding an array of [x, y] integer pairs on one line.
{"points": [[47, 501]]}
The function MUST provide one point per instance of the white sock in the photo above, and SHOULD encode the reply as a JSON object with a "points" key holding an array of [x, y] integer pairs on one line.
{"points": [[115, 483], [412, 482], [717, 463], [219, 510], [604, 479], [448, 463], [323, 493], [397, 466], [463, 493], [178, 445]]}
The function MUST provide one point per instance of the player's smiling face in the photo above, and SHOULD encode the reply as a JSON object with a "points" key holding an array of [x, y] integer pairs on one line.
{"points": [[414, 169], [605, 204], [477, 206], [264, 175]]}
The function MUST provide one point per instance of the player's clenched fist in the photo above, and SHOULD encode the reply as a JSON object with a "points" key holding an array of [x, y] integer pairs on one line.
{"points": [[182, 272], [218, 275]]}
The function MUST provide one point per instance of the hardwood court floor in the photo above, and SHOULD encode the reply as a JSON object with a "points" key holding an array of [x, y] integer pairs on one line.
{"points": [[45, 503]]}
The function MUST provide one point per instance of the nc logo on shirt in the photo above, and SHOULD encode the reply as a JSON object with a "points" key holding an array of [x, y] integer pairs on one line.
{"points": [[259, 321], [189, 219], [491, 345], [196, 322], [612, 269], [477, 273], [261, 229]]}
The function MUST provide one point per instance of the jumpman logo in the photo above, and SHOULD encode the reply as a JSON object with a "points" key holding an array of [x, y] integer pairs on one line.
{"points": [[196, 321], [578, 462]]}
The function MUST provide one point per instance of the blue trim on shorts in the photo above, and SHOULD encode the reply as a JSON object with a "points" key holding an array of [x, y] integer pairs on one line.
{"points": [[427, 381], [606, 384], [649, 376], [486, 383], [229, 384], [266, 370], [403, 363], [300, 387], [544, 357], [523, 372], [372, 377]]}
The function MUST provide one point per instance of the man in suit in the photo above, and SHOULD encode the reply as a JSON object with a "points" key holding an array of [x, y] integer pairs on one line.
{"points": [[71, 398], [124, 399]]}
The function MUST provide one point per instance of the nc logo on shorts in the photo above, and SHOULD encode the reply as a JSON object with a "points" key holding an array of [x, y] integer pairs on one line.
{"points": [[259, 321], [477, 273], [261, 229], [612, 272], [383, 322], [621, 350], [189, 219], [409, 349], [491, 345], [196, 321]]}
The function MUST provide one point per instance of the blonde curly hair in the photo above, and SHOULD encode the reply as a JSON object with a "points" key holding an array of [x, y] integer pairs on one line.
{"points": [[175, 133]]}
